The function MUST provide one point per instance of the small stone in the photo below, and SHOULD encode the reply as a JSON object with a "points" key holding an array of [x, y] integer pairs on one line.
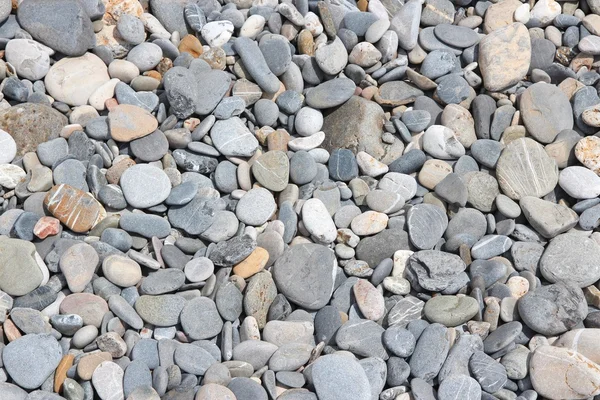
{"points": [[128, 122], [78, 264], [451, 310]]}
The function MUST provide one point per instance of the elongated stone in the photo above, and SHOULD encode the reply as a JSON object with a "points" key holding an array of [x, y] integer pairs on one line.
{"points": [[78, 210]]}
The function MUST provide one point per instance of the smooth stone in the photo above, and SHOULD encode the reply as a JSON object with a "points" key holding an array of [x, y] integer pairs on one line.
{"points": [[441, 143], [426, 224], [271, 170], [490, 374], [78, 264], [570, 257], [232, 138], [330, 94], [362, 337], [160, 310], [18, 267], [256, 207], [86, 74], [30, 59], [504, 56], [293, 278], [200, 319], [145, 186], [333, 57], [146, 225], [459, 386], [454, 35], [563, 373], [451, 310], [40, 19], [525, 169], [546, 111], [430, 352], [30, 359], [548, 218], [553, 309]]}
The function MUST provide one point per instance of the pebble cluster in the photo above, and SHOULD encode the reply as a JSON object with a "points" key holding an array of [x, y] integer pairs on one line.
{"points": [[299, 200]]}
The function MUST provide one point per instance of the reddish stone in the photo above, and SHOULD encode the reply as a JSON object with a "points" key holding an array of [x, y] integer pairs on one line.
{"points": [[77, 209], [128, 122], [11, 331], [46, 226], [89, 307]]}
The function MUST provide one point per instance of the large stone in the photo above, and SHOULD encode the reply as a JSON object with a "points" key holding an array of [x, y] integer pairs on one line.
{"points": [[504, 56], [559, 373], [170, 14], [358, 125], [30, 359], [19, 271], [571, 257], [190, 92], [335, 376], [546, 111], [553, 309], [525, 169], [305, 274], [73, 80], [548, 218], [31, 124], [62, 25]]}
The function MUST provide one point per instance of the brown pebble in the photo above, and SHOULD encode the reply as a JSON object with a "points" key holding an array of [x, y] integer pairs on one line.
{"points": [[190, 44], [61, 371]]}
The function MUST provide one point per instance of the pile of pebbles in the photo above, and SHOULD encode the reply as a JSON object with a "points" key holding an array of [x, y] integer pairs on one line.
{"points": [[299, 200]]}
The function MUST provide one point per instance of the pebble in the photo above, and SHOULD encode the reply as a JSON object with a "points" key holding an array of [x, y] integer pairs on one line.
{"points": [[30, 359], [39, 20], [155, 189], [451, 310], [320, 279], [86, 74], [499, 67], [547, 310], [546, 111], [525, 169]]}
